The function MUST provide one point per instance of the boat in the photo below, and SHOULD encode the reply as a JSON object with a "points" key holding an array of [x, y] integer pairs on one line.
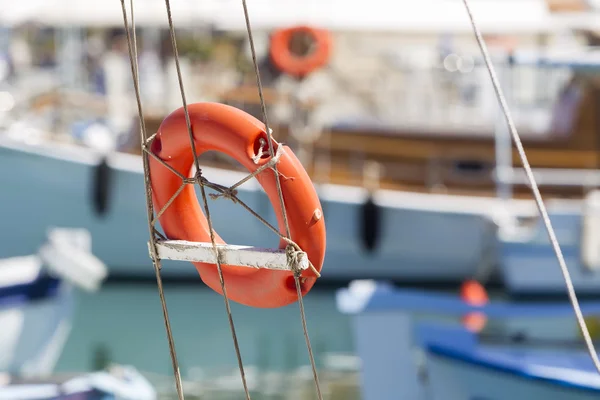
{"points": [[384, 328], [118, 382], [449, 178], [528, 265], [36, 300], [100, 191], [69, 176], [519, 372], [102, 196], [36, 308], [412, 345]]}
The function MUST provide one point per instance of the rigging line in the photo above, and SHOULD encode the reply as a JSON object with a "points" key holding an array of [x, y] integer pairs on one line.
{"points": [[283, 210], [149, 205], [205, 202], [536, 192], [264, 112]]}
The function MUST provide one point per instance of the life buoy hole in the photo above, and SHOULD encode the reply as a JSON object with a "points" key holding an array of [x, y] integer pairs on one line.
{"points": [[213, 159], [301, 44], [225, 213]]}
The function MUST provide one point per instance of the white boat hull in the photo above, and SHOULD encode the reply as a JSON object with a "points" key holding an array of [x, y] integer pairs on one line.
{"points": [[121, 382], [37, 301], [35, 317], [46, 185], [528, 261]]}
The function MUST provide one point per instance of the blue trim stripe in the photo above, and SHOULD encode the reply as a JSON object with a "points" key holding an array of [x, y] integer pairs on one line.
{"points": [[387, 298], [43, 287]]}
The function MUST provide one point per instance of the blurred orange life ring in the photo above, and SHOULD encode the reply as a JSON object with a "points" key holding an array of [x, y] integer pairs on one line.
{"points": [[231, 131], [473, 293], [305, 61]]}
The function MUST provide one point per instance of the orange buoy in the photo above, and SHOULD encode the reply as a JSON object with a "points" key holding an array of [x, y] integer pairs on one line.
{"points": [[231, 131], [473, 293], [300, 50]]}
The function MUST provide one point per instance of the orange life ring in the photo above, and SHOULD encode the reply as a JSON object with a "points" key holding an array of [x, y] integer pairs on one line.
{"points": [[300, 65], [231, 131], [473, 293]]}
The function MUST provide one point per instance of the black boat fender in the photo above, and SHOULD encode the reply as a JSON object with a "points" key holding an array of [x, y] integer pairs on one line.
{"points": [[369, 224], [101, 187]]}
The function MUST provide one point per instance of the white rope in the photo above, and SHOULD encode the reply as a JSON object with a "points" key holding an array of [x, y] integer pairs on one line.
{"points": [[536, 192]]}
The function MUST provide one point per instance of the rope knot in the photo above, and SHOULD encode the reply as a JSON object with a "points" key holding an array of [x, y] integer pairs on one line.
{"points": [[226, 193], [297, 260], [197, 178]]}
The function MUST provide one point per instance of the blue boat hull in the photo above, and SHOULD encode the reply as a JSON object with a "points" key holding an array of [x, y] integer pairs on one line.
{"points": [[412, 347], [456, 377]]}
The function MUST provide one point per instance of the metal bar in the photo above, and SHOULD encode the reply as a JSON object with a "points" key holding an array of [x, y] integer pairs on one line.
{"points": [[243, 256]]}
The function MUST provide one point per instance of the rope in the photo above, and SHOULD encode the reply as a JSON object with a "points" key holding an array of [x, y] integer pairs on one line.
{"points": [[149, 206], [536, 192], [297, 259], [283, 210], [205, 202]]}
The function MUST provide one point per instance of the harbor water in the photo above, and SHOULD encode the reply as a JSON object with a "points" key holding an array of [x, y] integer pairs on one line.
{"points": [[123, 323]]}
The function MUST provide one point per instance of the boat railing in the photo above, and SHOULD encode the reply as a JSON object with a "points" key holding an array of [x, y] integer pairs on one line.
{"points": [[440, 94], [431, 91], [550, 177], [445, 100]]}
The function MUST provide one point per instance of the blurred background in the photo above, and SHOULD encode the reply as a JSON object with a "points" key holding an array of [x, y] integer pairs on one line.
{"points": [[393, 116]]}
